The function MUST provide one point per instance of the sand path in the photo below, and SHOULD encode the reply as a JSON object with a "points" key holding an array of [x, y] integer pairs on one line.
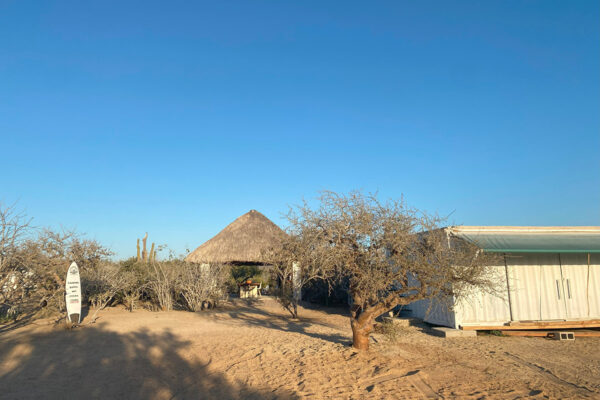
{"points": [[251, 350]]}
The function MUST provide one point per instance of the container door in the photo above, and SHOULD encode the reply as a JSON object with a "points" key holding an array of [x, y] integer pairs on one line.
{"points": [[524, 287], [576, 285], [594, 286], [552, 296], [536, 289]]}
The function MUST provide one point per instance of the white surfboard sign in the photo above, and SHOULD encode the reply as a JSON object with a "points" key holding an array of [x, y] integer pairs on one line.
{"points": [[73, 294]]}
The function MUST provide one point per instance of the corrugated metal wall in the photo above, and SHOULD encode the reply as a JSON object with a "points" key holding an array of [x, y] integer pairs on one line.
{"points": [[553, 286], [582, 285], [481, 307], [535, 287], [433, 311], [574, 270], [542, 287], [594, 290]]}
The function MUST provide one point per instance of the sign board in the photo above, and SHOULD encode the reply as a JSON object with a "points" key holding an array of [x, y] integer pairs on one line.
{"points": [[73, 294]]}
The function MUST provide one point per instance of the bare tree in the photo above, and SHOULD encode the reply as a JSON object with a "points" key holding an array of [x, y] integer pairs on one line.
{"points": [[389, 253], [296, 262], [34, 267], [14, 228]]}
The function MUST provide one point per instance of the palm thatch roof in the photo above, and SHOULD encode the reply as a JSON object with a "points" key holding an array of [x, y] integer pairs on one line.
{"points": [[241, 241]]}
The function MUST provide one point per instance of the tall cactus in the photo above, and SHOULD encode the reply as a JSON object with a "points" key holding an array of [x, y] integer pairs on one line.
{"points": [[152, 253], [145, 256], [144, 251]]}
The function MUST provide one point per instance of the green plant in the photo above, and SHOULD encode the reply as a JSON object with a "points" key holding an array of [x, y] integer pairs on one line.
{"points": [[240, 272], [9, 314]]}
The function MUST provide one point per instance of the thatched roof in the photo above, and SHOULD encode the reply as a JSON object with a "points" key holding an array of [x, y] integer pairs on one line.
{"points": [[241, 241]]}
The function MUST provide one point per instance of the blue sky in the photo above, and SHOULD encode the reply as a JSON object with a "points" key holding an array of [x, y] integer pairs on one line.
{"points": [[174, 118]]}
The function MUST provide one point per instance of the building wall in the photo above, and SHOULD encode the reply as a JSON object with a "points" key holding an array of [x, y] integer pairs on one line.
{"points": [[433, 311], [594, 287], [480, 307], [542, 286], [533, 287], [581, 285], [475, 308], [553, 286]]}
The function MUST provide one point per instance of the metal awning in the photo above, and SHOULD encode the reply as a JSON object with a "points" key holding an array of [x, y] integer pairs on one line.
{"points": [[529, 239]]}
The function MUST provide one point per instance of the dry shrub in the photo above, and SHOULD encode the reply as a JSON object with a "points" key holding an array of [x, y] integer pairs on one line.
{"points": [[201, 285], [179, 284], [33, 264], [101, 284], [392, 331], [161, 283], [111, 282]]}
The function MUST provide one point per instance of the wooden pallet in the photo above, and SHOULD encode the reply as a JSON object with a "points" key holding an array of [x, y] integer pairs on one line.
{"points": [[535, 325], [543, 333]]}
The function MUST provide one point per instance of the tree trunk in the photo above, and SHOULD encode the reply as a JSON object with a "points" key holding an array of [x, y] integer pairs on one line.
{"points": [[362, 326], [292, 308]]}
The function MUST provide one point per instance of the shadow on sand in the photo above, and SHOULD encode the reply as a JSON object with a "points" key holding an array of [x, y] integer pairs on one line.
{"points": [[250, 312], [92, 362], [31, 318]]}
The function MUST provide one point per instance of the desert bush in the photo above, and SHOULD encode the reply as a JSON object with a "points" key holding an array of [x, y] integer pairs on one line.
{"points": [[136, 282], [8, 314], [189, 286], [392, 331], [49, 256], [33, 264], [161, 284], [110, 282], [15, 227], [201, 285]]}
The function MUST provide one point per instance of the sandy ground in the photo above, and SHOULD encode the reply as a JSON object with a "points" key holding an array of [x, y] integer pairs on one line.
{"points": [[251, 351]]}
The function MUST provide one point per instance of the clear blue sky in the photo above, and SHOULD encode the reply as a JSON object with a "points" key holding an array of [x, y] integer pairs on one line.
{"points": [[118, 118]]}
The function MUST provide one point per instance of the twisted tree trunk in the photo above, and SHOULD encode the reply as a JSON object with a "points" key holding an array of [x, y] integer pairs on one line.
{"points": [[362, 322]]}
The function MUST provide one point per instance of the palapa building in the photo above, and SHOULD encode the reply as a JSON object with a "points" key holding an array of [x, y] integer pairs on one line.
{"points": [[241, 242]]}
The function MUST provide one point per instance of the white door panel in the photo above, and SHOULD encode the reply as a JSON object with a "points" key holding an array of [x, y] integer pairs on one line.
{"points": [[536, 289]]}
